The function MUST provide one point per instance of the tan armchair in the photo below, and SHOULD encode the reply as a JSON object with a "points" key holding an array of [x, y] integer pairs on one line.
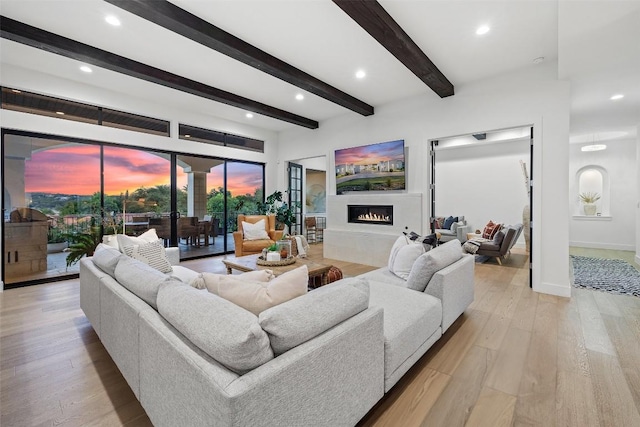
{"points": [[248, 247]]}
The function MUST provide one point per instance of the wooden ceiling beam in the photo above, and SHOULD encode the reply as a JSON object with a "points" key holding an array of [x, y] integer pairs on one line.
{"points": [[35, 37], [178, 20], [375, 20]]}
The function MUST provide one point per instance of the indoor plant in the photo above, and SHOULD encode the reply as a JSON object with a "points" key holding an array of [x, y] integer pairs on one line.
{"points": [[589, 200], [284, 213]]}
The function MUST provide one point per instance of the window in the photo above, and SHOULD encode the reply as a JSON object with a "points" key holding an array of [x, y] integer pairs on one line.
{"points": [[219, 138]]}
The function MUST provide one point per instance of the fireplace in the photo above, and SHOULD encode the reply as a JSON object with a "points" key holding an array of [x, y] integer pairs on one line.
{"points": [[370, 214]]}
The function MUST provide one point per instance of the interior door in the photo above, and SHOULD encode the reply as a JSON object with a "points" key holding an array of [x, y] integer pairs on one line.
{"points": [[295, 196]]}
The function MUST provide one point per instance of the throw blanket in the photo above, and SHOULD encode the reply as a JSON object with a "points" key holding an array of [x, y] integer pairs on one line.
{"points": [[472, 246], [302, 244]]}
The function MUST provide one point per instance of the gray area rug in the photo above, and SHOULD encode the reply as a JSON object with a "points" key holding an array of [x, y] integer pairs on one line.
{"points": [[610, 275]]}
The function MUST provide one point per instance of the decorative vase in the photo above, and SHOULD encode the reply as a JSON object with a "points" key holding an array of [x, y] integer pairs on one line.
{"points": [[526, 228], [589, 209]]}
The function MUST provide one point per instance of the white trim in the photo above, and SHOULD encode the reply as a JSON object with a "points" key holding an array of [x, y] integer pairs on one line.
{"points": [[593, 217], [597, 245], [1, 286], [553, 289], [637, 258]]}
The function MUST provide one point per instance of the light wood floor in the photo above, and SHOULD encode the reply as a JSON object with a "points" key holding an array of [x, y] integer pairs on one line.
{"points": [[514, 358]]}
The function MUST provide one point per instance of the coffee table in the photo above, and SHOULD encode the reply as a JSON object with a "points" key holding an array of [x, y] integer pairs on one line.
{"points": [[248, 263]]}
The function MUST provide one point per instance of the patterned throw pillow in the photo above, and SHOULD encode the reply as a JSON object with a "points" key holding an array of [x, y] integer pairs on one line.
{"points": [[153, 254], [490, 230], [439, 222]]}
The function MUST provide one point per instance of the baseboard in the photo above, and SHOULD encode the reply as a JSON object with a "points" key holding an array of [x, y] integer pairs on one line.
{"points": [[553, 289], [597, 245], [637, 258]]}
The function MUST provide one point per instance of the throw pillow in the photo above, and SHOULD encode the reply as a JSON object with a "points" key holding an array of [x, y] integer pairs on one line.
{"points": [[439, 222], [299, 320], [224, 331], [259, 296], [490, 230], [210, 281], [399, 243], [255, 231], [152, 254], [106, 258], [146, 237], [433, 261], [405, 258], [448, 222]]}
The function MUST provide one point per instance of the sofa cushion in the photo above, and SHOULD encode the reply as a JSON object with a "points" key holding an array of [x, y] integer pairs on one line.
{"points": [[106, 258], [385, 276], [299, 320], [435, 260], [146, 237], [404, 259], [139, 278], [183, 274], [256, 246], [257, 297], [226, 332], [152, 254], [255, 231], [210, 281], [410, 318]]}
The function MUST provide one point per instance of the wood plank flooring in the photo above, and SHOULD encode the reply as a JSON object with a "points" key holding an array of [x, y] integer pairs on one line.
{"points": [[514, 358]]}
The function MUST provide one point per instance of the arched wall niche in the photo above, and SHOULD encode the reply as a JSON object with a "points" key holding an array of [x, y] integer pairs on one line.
{"points": [[593, 179]]}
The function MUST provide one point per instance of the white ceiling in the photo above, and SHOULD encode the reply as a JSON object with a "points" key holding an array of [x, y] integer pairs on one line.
{"points": [[596, 44]]}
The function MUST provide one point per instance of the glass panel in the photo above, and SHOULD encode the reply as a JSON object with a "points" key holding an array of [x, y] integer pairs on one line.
{"points": [[245, 191], [51, 192], [137, 189], [201, 206], [135, 122]]}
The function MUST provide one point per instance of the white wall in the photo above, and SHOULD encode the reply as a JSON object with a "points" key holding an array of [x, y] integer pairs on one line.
{"points": [[618, 229], [483, 182], [637, 205], [534, 96], [12, 76]]}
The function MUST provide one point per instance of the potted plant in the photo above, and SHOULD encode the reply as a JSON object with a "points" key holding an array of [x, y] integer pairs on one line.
{"points": [[284, 213], [589, 200], [83, 244], [56, 240]]}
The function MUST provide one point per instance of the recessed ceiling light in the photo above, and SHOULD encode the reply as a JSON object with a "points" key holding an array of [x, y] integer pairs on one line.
{"points": [[538, 60], [594, 147], [249, 116], [360, 74], [113, 20], [483, 29], [86, 69], [16, 91], [616, 97], [60, 113], [299, 97], [187, 135]]}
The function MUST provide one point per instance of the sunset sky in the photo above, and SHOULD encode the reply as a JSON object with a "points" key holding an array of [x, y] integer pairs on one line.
{"points": [[368, 154], [76, 170]]}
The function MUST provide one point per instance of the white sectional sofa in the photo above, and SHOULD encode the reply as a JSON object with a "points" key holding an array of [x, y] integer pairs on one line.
{"points": [[322, 359]]}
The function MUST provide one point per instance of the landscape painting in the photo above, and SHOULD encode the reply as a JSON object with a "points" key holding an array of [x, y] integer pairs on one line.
{"points": [[374, 167]]}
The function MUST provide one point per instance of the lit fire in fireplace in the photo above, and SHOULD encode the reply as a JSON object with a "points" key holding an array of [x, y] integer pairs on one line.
{"points": [[373, 217]]}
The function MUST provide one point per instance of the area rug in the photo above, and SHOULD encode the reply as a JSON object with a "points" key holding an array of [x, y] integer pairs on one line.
{"points": [[610, 275]]}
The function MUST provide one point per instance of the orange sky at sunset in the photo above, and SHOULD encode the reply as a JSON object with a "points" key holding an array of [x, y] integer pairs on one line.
{"points": [[76, 170]]}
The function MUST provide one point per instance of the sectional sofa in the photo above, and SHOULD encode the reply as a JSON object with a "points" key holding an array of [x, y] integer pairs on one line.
{"points": [[322, 359]]}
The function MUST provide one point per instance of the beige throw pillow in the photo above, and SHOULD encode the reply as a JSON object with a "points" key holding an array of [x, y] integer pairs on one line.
{"points": [[149, 236], [255, 231], [210, 281], [259, 296]]}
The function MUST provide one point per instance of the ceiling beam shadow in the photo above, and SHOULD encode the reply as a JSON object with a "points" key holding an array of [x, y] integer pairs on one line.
{"points": [[375, 20], [178, 20], [35, 37]]}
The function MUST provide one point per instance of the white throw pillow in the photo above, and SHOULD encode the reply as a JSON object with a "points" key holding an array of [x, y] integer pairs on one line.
{"points": [[153, 254], [210, 281], [148, 236], [259, 296], [433, 261], [255, 231], [399, 243], [404, 259]]}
